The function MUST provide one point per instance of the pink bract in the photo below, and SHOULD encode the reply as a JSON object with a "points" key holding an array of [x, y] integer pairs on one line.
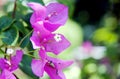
{"points": [[13, 63], [50, 17], [7, 75], [55, 43], [52, 66], [8, 66]]}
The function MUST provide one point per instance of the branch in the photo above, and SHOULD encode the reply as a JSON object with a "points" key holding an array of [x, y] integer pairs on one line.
{"points": [[14, 9]]}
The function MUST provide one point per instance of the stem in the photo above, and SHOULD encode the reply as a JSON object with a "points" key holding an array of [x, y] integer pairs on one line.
{"points": [[1, 46], [30, 55], [15, 76], [31, 51], [14, 9], [25, 37], [1, 51], [5, 53]]}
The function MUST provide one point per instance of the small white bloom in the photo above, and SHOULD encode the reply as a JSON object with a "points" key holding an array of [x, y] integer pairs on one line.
{"points": [[57, 37], [9, 51]]}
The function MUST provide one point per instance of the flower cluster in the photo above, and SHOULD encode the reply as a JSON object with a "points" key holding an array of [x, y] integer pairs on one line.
{"points": [[9, 64], [45, 20]]}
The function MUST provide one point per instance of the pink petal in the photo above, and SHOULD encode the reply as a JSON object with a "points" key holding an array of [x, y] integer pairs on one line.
{"points": [[38, 36], [42, 54], [7, 75], [39, 12], [56, 43], [60, 64], [4, 64], [40, 28], [15, 60], [53, 72], [57, 14], [36, 6], [37, 17], [51, 26], [38, 67], [35, 39]]}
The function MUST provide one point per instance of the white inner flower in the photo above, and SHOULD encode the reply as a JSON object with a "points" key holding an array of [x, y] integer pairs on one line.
{"points": [[9, 51], [57, 37]]}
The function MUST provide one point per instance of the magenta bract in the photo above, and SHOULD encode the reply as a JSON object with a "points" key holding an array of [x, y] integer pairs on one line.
{"points": [[9, 65], [52, 66], [50, 17]]}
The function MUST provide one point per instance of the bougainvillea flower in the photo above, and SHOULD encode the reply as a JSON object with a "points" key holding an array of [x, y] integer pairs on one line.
{"points": [[52, 66], [53, 72], [12, 63], [59, 64], [45, 20], [87, 50], [55, 43], [38, 64], [50, 17], [7, 75], [42, 32]]}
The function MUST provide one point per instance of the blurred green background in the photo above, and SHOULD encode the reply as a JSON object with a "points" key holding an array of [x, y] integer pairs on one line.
{"points": [[93, 28]]}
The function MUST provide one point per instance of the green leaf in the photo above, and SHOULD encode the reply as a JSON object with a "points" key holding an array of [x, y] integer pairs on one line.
{"points": [[10, 36], [18, 15], [1, 53], [25, 66], [5, 22], [26, 18], [30, 47], [25, 42], [20, 27], [39, 1], [21, 8]]}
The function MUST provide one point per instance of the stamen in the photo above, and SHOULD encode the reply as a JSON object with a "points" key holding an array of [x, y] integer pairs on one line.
{"points": [[51, 63], [57, 38]]}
